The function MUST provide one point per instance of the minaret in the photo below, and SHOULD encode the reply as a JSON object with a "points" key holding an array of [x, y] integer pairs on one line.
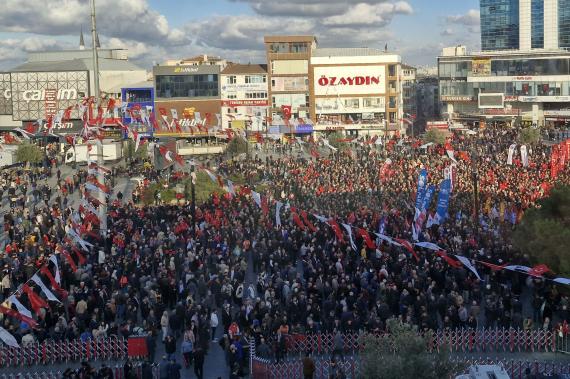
{"points": [[81, 41]]}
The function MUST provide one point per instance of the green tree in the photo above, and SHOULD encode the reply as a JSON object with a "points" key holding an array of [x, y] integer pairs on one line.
{"points": [[435, 136], [336, 140], [544, 231], [529, 136], [28, 152], [404, 354], [236, 146]]}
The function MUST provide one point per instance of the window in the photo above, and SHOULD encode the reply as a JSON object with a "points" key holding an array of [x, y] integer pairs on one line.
{"points": [[299, 47], [392, 70], [392, 102], [279, 47], [351, 103], [249, 79], [232, 96], [373, 102], [169, 86], [138, 96], [256, 95], [392, 117], [231, 79], [392, 85]]}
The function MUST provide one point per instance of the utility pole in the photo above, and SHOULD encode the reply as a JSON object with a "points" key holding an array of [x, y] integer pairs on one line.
{"points": [[100, 174], [193, 189]]}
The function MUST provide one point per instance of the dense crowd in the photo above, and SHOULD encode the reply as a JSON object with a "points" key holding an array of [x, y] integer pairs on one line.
{"points": [[153, 275]]}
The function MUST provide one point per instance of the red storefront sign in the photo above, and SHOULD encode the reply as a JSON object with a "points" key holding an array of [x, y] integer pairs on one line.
{"points": [[244, 103], [50, 103]]}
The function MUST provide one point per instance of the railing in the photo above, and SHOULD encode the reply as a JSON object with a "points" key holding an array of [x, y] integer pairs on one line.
{"points": [[458, 340], [352, 367], [118, 373], [50, 352]]}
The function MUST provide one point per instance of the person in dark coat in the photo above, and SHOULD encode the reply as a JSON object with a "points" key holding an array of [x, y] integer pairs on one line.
{"points": [[199, 363]]}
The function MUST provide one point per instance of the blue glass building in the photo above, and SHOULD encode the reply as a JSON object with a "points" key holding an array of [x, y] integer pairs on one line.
{"points": [[564, 24], [499, 25], [537, 24]]}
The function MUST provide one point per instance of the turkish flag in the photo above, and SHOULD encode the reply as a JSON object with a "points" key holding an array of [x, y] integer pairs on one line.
{"points": [[539, 270]]}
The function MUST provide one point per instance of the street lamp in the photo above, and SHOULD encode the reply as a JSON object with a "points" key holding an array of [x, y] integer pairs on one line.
{"points": [[475, 180], [193, 192]]}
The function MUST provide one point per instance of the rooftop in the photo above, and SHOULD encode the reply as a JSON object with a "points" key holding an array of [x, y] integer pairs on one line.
{"points": [[76, 65], [245, 69], [278, 38], [348, 52]]}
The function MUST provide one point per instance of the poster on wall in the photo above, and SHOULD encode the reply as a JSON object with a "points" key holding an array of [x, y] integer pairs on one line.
{"points": [[481, 67]]}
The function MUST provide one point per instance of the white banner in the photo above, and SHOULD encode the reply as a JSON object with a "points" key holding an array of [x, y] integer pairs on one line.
{"points": [[524, 156], [511, 153]]}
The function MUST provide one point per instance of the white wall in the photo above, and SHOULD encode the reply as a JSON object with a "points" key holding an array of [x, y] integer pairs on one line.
{"points": [[551, 24], [524, 25]]}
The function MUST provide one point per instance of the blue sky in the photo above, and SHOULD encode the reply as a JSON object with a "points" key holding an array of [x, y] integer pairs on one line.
{"points": [[155, 30]]}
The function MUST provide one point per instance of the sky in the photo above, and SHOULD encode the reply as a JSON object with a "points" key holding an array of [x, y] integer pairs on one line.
{"points": [[156, 30]]}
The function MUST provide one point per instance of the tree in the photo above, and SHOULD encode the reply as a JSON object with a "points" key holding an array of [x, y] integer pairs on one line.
{"points": [[404, 354], [435, 136], [236, 146], [336, 140], [529, 136], [544, 231], [28, 152]]}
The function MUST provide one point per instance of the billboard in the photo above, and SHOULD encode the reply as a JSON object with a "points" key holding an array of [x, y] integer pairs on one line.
{"points": [[5, 94], [349, 80], [491, 100], [31, 92], [481, 67]]}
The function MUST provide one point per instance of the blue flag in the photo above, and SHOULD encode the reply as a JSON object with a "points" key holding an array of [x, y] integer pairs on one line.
{"points": [[443, 201], [427, 198], [422, 182]]}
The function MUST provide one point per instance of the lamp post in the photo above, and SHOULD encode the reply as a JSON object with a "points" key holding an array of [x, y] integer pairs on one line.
{"points": [[193, 194], [475, 180], [100, 175]]}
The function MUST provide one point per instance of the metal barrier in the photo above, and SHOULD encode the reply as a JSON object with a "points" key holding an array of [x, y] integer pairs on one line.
{"points": [[51, 352], [352, 367], [458, 340], [118, 373]]}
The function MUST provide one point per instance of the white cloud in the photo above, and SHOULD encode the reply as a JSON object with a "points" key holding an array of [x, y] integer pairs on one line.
{"points": [[367, 14], [471, 19]]}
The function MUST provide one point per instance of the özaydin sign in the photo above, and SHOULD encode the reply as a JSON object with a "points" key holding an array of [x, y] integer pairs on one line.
{"points": [[350, 80]]}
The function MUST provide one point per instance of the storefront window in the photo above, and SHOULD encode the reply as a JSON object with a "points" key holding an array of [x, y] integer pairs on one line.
{"points": [[168, 86]]}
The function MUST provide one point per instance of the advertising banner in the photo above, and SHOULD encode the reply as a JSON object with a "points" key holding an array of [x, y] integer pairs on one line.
{"points": [[443, 201], [344, 80], [481, 66]]}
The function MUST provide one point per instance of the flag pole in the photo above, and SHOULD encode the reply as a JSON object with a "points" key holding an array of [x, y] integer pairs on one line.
{"points": [[100, 174]]}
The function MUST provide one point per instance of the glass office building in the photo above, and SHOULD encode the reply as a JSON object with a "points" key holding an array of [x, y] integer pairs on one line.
{"points": [[537, 24], [499, 24], [564, 24]]}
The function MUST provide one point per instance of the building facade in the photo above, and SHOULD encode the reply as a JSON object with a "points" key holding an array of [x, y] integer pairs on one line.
{"points": [[521, 87], [427, 100], [499, 24], [356, 90], [50, 82], [186, 93], [244, 100], [288, 59], [409, 88], [525, 24]]}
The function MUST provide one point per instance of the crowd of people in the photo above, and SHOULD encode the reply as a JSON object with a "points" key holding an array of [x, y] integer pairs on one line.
{"points": [[154, 274]]}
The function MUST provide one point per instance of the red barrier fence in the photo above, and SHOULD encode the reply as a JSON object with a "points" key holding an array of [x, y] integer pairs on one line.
{"points": [[351, 366], [50, 352], [118, 373], [458, 340]]}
